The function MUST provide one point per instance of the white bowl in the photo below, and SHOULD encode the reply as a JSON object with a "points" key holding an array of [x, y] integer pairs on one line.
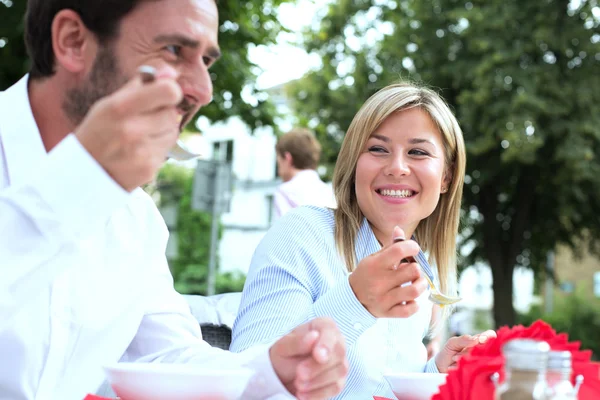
{"points": [[415, 386], [145, 381]]}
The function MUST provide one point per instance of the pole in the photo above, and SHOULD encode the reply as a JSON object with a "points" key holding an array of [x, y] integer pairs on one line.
{"points": [[214, 226], [212, 263]]}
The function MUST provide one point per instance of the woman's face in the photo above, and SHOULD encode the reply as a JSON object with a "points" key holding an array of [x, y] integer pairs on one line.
{"points": [[400, 173]]}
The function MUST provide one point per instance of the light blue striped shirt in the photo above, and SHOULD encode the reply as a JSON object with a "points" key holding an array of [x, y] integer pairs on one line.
{"points": [[297, 274]]}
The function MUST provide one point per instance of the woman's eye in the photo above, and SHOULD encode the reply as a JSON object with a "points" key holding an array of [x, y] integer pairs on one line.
{"points": [[207, 61], [377, 149], [174, 49], [417, 152]]}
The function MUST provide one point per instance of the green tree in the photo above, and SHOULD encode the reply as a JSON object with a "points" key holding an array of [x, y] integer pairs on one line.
{"points": [[523, 79], [243, 25], [190, 267], [578, 315]]}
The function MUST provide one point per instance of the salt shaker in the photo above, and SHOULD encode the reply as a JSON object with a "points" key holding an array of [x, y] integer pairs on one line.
{"points": [[525, 370], [559, 377]]}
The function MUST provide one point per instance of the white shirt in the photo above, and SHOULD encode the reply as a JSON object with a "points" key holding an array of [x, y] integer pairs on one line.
{"points": [[305, 189], [84, 278]]}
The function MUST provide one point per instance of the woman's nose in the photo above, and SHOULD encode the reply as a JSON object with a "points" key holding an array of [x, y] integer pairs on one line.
{"points": [[398, 166]]}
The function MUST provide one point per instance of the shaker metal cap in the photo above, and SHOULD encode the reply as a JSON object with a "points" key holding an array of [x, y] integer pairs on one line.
{"points": [[559, 360], [526, 346], [526, 354]]}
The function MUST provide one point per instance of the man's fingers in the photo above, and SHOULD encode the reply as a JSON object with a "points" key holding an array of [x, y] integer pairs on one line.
{"points": [[325, 392], [328, 344], [324, 377], [137, 97], [325, 382], [162, 122], [300, 342]]}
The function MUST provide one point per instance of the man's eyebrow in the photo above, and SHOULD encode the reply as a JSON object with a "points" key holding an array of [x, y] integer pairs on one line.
{"points": [[185, 41]]}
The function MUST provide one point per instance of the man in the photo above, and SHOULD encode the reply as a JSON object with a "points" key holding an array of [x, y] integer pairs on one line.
{"points": [[298, 153], [85, 281]]}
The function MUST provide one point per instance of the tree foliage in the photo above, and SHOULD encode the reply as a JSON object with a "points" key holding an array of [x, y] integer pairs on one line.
{"points": [[578, 315], [523, 79], [243, 25], [193, 228]]}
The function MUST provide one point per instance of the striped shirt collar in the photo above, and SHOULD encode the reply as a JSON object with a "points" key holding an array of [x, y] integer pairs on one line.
{"points": [[367, 244]]}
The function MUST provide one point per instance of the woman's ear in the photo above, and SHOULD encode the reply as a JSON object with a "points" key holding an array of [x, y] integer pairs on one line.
{"points": [[73, 44], [446, 180]]}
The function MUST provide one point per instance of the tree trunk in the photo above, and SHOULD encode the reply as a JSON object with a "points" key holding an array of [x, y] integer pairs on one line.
{"points": [[501, 258], [504, 311]]}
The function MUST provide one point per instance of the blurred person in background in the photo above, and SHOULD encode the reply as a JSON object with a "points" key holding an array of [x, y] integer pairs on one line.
{"points": [[84, 278], [399, 174], [298, 154]]}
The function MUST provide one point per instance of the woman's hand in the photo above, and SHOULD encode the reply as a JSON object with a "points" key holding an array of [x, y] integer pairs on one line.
{"points": [[457, 346], [384, 286]]}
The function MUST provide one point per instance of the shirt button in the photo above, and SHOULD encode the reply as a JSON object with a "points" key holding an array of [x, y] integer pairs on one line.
{"points": [[358, 326]]}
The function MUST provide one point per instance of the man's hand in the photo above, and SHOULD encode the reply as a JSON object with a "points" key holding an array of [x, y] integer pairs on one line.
{"points": [[311, 360], [131, 131], [457, 346], [386, 288]]}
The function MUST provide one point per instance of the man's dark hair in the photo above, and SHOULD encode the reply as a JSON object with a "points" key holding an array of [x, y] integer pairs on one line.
{"points": [[102, 17]]}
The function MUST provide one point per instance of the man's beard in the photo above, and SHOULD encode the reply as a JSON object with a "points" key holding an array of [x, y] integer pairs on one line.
{"points": [[104, 79]]}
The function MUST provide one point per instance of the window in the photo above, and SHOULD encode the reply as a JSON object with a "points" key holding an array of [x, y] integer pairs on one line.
{"points": [[223, 150]]}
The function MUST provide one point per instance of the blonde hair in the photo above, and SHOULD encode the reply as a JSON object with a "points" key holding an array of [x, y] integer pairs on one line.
{"points": [[435, 234]]}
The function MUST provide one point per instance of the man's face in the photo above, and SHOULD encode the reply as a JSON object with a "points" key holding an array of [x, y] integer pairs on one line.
{"points": [[179, 33], [284, 166]]}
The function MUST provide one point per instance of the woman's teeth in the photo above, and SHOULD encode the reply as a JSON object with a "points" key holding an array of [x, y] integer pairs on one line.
{"points": [[396, 193]]}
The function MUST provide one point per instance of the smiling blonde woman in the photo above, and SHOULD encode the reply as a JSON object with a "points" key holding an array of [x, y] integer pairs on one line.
{"points": [[399, 173]]}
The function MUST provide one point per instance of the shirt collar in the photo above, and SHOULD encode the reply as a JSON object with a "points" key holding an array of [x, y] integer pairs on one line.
{"points": [[19, 133]]}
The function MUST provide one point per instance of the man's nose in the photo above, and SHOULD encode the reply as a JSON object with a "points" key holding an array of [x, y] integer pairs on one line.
{"points": [[197, 85]]}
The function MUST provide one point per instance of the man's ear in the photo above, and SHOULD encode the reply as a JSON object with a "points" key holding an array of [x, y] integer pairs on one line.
{"points": [[288, 158], [74, 45]]}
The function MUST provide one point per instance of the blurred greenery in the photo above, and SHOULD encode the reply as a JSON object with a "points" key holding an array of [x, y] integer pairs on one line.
{"points": [[576, 314], [190, 267], [521, 76], [242, 26], [482, 321]]}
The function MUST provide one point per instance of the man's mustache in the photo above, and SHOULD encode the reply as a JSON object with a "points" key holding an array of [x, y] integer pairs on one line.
{"points": [[185, 106]]}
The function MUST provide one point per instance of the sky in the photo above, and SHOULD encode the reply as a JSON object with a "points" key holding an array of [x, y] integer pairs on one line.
{"points": [[285, 61]]}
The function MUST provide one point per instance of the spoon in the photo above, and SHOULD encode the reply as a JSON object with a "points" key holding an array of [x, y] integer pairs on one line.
{"points": [[435, 296]]}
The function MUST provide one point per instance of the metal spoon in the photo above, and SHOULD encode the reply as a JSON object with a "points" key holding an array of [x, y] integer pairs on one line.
{"points": [[180, 152], [435, 296]]}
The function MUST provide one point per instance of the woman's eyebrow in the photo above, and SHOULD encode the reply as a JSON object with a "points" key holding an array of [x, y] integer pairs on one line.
{"points": [[381, 137]]}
